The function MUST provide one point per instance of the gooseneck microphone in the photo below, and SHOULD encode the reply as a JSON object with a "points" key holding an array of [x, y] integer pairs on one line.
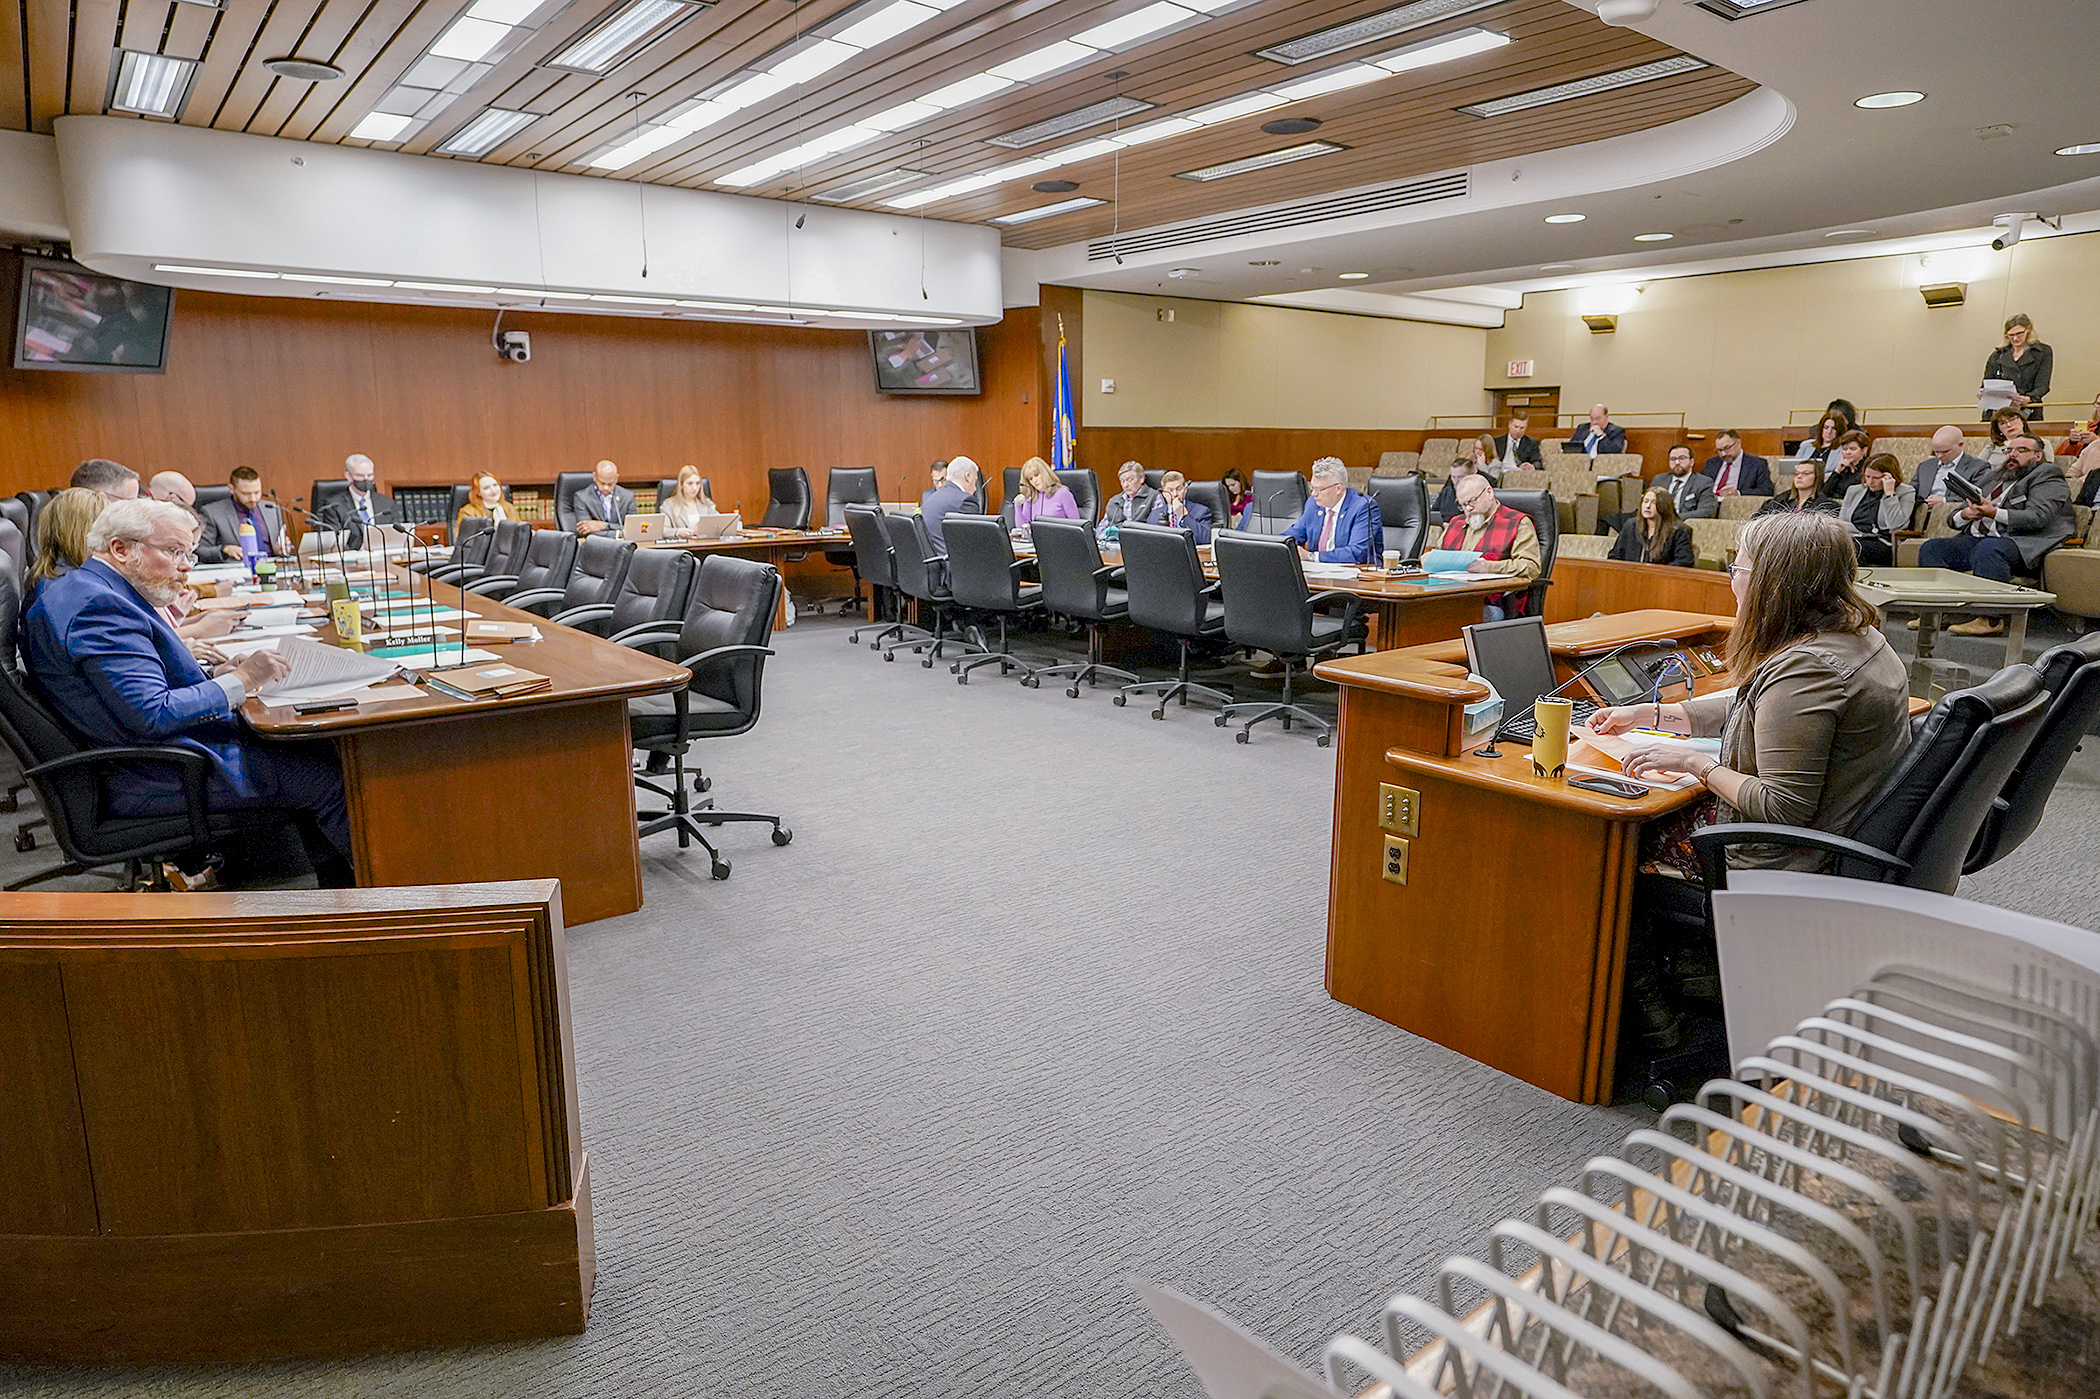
{"points": [[1667, 643]]}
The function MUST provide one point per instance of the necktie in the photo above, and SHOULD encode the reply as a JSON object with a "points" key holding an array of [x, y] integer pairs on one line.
{"points": [[364, 509], [1727, 474], [1327, 534]]}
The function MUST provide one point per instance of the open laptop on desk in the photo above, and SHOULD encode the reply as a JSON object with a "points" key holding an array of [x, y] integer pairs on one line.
{"points": [[1513, 657], [643, 529]]}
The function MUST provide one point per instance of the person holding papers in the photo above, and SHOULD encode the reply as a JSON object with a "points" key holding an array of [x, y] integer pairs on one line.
{"points": [[100, 651], [2025, 363], [1340, 524], [1505, 539]]}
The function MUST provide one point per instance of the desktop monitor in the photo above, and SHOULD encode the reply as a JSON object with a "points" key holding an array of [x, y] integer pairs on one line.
{"points": [[69, 318], [1513, 657]]}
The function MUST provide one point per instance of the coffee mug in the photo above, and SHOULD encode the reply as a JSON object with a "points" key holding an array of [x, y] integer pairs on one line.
{"points": [[1549, 745], [1392, 560]]}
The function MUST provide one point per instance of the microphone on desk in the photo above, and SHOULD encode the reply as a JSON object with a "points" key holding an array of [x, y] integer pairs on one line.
{"points": [[298, 564]]}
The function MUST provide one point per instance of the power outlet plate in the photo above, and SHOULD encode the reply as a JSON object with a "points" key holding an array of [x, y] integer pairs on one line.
{"points": [[1395, 867], [1399, 809]]}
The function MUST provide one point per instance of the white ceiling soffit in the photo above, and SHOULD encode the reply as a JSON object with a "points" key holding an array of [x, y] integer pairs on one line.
{"points": [[1405, 308], [1761, 177], [308, 219]]}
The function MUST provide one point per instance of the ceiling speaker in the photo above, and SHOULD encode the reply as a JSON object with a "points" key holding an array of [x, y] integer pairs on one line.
{"points": [[306, 70], [1291, 126]]}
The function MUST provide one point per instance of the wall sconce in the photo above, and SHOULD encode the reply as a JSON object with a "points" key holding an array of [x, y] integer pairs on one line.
{"points": [[1601, 325], [1945, 294]]}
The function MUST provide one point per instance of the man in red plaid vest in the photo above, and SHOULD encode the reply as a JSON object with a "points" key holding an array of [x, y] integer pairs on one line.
{"points": [[1506, 540]]}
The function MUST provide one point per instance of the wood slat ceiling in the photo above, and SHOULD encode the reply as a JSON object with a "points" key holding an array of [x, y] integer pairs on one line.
{"points": [[56, 57]]}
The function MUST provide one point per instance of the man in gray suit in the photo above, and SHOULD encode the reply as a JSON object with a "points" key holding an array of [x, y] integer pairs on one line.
{"points": [[604, 503], [2025, 512], [1135, 503], [223, 520], [1949, 453], [1692, 491]]}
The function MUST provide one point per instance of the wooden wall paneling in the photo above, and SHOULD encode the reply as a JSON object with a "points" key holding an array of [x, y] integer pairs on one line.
{"points": [[45, 1184], [1582, 587], [235, 35], [49, 49], [190, 30], [95, 36], [14, 70]]}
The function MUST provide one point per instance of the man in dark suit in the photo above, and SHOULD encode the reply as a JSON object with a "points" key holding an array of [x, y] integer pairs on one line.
{"points": [[1516, 449], [604, 504], [1949, 453], [1340, 523], [363, 504], [1733, 470], [1690, 492], [1601, 437], [957, 492], [1176, 509], [1134, 503], [101, 653], [223, 520], [2025, 512]]}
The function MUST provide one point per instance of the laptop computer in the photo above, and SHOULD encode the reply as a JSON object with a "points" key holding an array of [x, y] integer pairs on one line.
{"points": [[643, 529], [1513, 657], [712, 526]]}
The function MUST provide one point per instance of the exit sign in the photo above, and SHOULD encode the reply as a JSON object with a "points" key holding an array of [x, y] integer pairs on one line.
{"points": [[1519, 369]]}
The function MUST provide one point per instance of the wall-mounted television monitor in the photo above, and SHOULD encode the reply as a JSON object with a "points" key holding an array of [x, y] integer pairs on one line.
{"points": [[67, 317], [926, 361]]}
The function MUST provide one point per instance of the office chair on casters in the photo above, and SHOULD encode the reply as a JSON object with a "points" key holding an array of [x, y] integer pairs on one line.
{"points": [[1076, 585], [1279, 499], [655, 586], [844, 486], [985, 576], [1269, 608], [2071, 680], [922, 576], [1545, 518], [566, 485], [1167, 593], [722, 641], [1086, 493], [1403, 506], [876, 565], [788, 503]]}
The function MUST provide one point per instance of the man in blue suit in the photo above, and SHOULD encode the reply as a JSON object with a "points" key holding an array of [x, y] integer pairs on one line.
{"points": [[1340, 524], [1176, 509], [100, 651], [1735, 471]]}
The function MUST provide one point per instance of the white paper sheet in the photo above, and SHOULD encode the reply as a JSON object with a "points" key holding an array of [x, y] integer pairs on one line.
{"points": [[323, 672]]}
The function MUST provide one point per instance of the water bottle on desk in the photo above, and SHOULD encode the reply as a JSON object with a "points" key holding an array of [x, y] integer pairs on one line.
{"points": [[251, 548]]}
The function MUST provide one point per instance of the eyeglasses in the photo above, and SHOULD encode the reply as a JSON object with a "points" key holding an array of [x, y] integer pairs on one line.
{"points": [[1735, 568], [185, 557]]}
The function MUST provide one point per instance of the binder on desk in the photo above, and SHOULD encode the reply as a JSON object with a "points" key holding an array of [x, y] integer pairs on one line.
{"points": [[488, 682]]}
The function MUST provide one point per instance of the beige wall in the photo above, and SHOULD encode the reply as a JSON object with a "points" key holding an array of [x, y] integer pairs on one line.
{"points": [[1743, 348], [1229, 365]]}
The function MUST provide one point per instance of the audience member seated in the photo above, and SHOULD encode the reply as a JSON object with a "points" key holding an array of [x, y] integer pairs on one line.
{"points": [[687, 504], [1042, 496], [1238, 498], [1516, 449], [1842, 408], [1691, 492], [1446, 506], [2025, 512], [1505, 539], [1655, 534], [1601, 437], [1480, 452], [1176, 509], [2082, 436], [1822, 444], [60, 545], [106, 479], [1802, 494], [99, 650], [936, 477], [361, 505], [1843, 474], [1135, 503], [1340, 524], [604, 504], [484, 501], [2024, 362], [2004, 423], [244, 505], [957, 491], [1735, 471], [1876, 508], [1949, 453]]}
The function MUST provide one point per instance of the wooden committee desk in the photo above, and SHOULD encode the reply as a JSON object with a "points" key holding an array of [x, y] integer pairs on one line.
{"points": [[1507, 940], [446, 791], [309, 1122]]}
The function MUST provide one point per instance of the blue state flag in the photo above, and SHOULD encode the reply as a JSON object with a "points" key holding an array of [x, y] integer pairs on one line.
{"points": [[1064, 437]]}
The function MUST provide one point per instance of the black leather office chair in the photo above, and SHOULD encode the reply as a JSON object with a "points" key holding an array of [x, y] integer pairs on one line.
{"points": [[1269, 608], [14, 553], [601, 565], [921, 575], [14, 570], [508, 544], [1545, 518], [1086, 493], [566, 485], [33, 502], [470, 555], [788, 499], [721, 639], [460, 495], [1211, 496], [1154, 477], [550, 556], [1279, 499], [15, 511], [1168, 593], [667, 486], [1403, 506], [1009, 492], [875, 563], [984, 576], [207, 495], [2071, 680], [323, 496], [1077, 584], [656, 586], [844, 486]]}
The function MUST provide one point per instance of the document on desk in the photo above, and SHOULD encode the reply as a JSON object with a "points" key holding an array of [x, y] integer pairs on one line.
{"points": [[323, 672], [1329, 570], [389, 614], [1449, 560]]}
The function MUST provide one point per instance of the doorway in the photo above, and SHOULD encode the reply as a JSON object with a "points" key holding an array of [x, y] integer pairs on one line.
{"points": [[1542, 406]]}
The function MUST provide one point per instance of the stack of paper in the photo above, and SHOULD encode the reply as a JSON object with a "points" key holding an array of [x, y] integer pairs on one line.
{"points": [[323, 672]]}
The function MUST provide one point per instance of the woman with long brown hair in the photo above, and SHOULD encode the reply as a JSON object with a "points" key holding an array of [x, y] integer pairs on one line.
{"points": [[1655, 534], [1822, 444], [1803, 491], [1821, 704]]}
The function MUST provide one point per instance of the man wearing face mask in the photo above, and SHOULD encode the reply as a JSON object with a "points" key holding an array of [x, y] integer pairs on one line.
{"points": [[363, 504], [1505, 539]]}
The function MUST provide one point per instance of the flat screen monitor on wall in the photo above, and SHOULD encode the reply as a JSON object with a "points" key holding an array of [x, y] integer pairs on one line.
{"points": [[67, 317], [926, 361]]}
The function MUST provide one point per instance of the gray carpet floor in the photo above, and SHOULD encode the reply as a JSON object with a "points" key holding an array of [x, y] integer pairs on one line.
{"points": [[1031, 1007]]}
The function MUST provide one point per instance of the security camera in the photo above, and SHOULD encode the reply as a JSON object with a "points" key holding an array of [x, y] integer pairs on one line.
{"points": [[2009, 226], [515, 346], [1623, 12]]}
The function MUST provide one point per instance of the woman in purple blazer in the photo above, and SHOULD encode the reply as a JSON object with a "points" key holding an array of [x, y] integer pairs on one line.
{"points": [[1042, 496]]}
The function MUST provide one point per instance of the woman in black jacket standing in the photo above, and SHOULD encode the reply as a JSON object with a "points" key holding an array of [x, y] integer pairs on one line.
{"points": [[2026, 363]]}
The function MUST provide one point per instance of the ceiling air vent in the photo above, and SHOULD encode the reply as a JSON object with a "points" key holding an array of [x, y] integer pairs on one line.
{"points": [[1051, 128], [1426, 191]]}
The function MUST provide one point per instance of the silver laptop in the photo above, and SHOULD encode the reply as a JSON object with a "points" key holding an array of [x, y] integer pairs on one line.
{"points": [[712, 526], [644, 529]]}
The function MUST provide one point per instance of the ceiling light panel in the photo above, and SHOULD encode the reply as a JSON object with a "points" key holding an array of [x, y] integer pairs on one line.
{"points": [[1051, 128], [459, 58], [151, 84], [1585, 87], [622, 35], [1046, 211], [1251, 163], [1742, 9], [626, 150], [1383, 25], [486, 132], [873, 184], [381, 126]]}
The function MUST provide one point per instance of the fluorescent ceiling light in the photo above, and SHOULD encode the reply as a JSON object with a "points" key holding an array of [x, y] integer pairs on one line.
{"points": [[1065, 124], [1047, 59], [1585, 87], [2092, 148], [620, 37], [1653, 237], [335, 281], [151, 84], [1874, 102], [1134, 26], [872, 184], [542, 295], [643, 141], [1238, 107], [820, 57], [1334, 80], [380, 126], [634, 300], [1464, 44], [468, 39], [1260, 162], [886, 23], [756, 88], [1741, 9], [1048, 211], [186, 271], [1154, 131], [1566, 218], [456, 288], [900, 116], [1382, 25], [1353, 276], [486, 132], [718, 305], [968, 90]]}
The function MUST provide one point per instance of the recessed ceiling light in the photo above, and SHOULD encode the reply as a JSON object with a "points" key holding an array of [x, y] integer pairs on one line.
{"points": [[1065, 124], [1653, 237], [1558, 267], [2092, 148], [1876, 101], [380, 126], [1260, 162], [1354, 276], [872, 184], [151, 84], [486, 132], [1849, 233], [1045, 211], [1566, 218], [309, 70], [620, 36]]}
